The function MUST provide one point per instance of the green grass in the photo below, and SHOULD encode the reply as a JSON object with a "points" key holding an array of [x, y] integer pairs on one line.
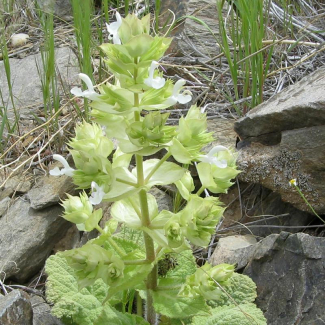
{"points": [[242, 44], [46, 71]]}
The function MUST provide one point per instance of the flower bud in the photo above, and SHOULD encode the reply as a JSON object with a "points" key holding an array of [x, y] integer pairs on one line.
{"points": [[77, 209], [91, 140]]}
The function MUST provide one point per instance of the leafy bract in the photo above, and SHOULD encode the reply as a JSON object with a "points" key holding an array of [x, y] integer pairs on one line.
{"points": [[167, 173], [128, 210]]}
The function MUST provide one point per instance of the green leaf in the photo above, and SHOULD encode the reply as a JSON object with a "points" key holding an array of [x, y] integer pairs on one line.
{"points": [[245, 314], [128, 210], [180, 153], [169, 304], [61, 279], [167, 173], [120, 190], [133, 276], [240, 288]]}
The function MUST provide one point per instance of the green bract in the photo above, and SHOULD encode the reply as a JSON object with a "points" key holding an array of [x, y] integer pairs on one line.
{"points": [[143, 254], [79, 210], [201, 216], [207, 281], [92, 262]]}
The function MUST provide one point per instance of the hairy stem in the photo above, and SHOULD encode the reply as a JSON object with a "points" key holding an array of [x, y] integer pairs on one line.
{"points": [[152, 278]]}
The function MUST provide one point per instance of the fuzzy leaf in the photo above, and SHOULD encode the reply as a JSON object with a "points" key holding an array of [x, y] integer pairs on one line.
{"points": [[240, 288], [246, 314]]}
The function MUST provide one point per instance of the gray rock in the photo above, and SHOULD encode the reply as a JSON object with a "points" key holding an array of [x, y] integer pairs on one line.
{"points": [[27, 237], [59, 7], [26, 83], [284, 139], [234, 250], [49, 190], [4, 205], [42, 312], [290, 277], [164, 201], [190, 37], [18, 184], [300, 155], [299, 106], [224, 133], [16, 309]]}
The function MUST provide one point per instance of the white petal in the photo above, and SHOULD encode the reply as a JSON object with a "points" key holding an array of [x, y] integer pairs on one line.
{"points": [[56, 172], [97, 194], [221, 163], [216, 149], [87, 81], [183, 99], [116, 39], [67, 170], [177, 87], [77, 92], [158, 82]]}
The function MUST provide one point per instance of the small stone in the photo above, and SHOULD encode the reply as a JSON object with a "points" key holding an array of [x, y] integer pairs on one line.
{"points": [[16, 309], [19, 39], [42, 312], [234, 250]]}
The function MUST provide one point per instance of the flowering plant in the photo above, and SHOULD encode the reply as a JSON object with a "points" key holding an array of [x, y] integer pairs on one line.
{"points": [[124, 266]]}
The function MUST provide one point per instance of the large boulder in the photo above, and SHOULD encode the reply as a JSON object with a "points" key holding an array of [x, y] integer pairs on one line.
{"points": [[26, 82], [50, 190], [27, 238], [190, 37], [288, 270], [284, 139]]}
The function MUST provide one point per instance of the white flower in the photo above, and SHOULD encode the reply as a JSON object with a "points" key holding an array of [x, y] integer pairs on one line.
{"points": [[213, 159], [88, 93], [67, 170], [113, 29], [97, 193], [183, 98], [293, 182], [157, 82]]}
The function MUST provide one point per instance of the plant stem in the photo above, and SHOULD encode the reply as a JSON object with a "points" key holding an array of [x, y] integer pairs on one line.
{"points": [[202, 188], [306, 201], [152, 278], [139, 305]]}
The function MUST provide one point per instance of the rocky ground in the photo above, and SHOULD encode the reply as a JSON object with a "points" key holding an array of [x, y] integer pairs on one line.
{"points": [[267, 230]]}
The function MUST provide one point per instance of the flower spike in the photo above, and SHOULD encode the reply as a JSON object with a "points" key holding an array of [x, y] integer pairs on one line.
{"points": [[67, 170], [113, 29], [88, 93], [157, 82]]}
